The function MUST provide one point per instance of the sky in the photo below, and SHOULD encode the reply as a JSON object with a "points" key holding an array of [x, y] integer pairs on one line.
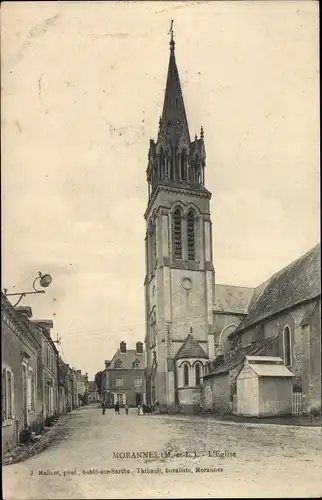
{"points": [[82, 91]]}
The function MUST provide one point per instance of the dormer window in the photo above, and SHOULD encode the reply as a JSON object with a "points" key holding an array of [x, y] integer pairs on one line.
{"points": [[136, 363], [118, 363]]}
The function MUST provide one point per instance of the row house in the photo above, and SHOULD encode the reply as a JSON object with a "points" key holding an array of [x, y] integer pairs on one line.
{"points": [[20, 405], [82, 387], [67, 387], [123, 380], [93, 394], [47, 367], [32, 377]]}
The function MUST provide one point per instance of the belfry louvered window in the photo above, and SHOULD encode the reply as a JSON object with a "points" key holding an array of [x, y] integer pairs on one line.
{"points": [[191, 235], [177, 234]]}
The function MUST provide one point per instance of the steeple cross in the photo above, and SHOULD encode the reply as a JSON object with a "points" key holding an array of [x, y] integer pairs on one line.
{"points": [[171, 30], [172, 35]]}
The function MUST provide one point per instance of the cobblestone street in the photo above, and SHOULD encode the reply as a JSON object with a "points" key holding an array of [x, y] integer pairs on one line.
{"points": [[270, 460]]}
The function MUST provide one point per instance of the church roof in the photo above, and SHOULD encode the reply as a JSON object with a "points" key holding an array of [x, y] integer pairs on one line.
{"points": [[298, 282], [310, 310], [238, 357], [128, 358], [232, 299], [191, 349]]}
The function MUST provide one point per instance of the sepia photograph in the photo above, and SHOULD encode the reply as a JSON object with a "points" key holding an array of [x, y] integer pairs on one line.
{"points": [[161, 260]]}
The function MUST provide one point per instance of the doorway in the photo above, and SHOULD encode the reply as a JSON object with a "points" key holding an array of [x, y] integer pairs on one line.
{"points": [[138, 399]]}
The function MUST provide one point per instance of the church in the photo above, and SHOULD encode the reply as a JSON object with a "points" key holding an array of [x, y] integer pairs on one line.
{"points": [[190, 320]]}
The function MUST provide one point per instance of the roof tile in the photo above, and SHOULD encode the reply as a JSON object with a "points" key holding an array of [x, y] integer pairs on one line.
{"points": [[191, 349], [295, 283], [128, 359], [233, 299], [232, 362]]}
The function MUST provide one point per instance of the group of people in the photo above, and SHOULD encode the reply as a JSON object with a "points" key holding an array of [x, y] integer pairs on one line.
{"points": [[126, 408]]}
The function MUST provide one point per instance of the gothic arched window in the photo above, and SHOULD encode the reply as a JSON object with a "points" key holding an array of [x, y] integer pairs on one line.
{"points": [[177, 234], [287, 350], [154, 247], [191, 235], [153, 329], [185, 374], [162, 158], [197, 373], [171, 165], [183, 165]]}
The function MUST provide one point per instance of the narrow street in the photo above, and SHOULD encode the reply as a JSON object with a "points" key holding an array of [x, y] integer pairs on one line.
{"points": [[270, 460]]}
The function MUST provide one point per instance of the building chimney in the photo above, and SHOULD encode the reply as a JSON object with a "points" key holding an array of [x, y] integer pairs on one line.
{"points": [[24, 311], [44, 324], [123, 347], [107, 363], [139, 348]]}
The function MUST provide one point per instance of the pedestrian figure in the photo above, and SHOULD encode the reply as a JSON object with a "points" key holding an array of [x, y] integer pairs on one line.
{"points": [[117, 408], [140, 411], [126, 409], [103, 407]]}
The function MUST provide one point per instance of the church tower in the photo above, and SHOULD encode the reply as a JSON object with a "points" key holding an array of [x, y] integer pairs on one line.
{"points": [[179, 280]]}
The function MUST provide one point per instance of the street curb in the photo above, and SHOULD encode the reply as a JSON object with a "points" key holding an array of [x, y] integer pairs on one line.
{"points": [[31, 450], [246, 424]]}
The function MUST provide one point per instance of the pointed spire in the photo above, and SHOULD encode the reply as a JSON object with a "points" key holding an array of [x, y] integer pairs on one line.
{"points": [[174, 119], [201, 132]]}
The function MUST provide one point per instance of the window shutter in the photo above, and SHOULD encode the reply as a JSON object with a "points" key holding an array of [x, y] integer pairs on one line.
{"points": [[4, 395], [29, 390], [12, 396], [9, 393]]}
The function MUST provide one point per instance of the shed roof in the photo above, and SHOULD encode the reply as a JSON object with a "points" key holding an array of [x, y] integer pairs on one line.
{"points": [[191, 349], [298, 282], [271, 370], [265, 359]]}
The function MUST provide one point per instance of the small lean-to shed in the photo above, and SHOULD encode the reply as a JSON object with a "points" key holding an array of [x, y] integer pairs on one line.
{"points": [[264, 387]]}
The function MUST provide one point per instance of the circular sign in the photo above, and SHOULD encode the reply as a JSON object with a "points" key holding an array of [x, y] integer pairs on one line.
{"points": [[186, 283]]}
